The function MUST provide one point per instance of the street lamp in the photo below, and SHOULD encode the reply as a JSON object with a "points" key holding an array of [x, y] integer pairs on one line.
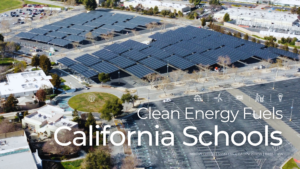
{"points": [[292, 110], [119, 76]]}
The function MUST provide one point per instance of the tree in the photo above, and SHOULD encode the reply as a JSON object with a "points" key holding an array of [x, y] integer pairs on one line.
{"points": [[164, 13], [129, 98], [131, 8], [20, 66], [99, 159], [45, 63], [195, 2], [35, 61], [246, 37], [171, 15], [41, 95], [155, 10], [111, 107], [56, 81], [10, 104], [224, 61], [75, 113], [1, 38], [103, 77], [180, 14], [90, 5], [195, 15], [226, 17], [238, 35], [203, 22], [90, 121], [253, 40], [285, 47], [258, 41], [229, 33], [295, 50]]}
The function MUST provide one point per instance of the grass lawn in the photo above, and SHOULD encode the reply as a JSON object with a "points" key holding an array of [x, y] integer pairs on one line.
{"points": [[71, 165], [65, 87], [6, 61], [33, 2], [81, 102], [291, 164], [34, 69], [6, 5]]}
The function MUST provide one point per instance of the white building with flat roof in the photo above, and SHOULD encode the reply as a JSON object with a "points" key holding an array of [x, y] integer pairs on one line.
{"points": [[182, 6], [15, 153], [257, 16], [275, 2], [47, 119], [25, 83]]}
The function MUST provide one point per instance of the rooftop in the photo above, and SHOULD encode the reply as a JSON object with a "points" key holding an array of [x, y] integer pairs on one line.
{"points": [[25, 82]]}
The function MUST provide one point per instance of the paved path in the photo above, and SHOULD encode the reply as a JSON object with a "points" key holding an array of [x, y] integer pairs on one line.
{"points": [[287, 132]]}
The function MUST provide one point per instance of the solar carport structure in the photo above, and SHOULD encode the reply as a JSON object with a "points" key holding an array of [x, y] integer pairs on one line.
{"points": [[75, 29]]}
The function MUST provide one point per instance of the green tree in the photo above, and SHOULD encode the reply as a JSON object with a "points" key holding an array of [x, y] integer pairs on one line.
{"points": [[253, 40], [129, 98], [171, 15], [295, 50], [285, 47], [150, 11], [155, 10], [131, 8], [195, 2], [99, 159], [298, 11], [195, 15], [10, 104], [75, 113], [56, 81], [214, 2], [258, 41], [203, 22], [90, 5], [20, 66], [164, 13], [180, 14], [90, 121], [35, 61], [229, 33], [103, 77], [226, 17], [246, 37], [112, 107], [45, 63], [1, 38]]}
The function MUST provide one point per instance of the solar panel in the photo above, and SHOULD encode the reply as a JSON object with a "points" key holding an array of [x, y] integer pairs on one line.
{"points": [[105, 67], [134, 55], [113, 28], [50, 27], [88, 60], [200, 59], [139, 70], [122, 62], [179, 62], [74, 38], [282, 52], [264, 54], [67, 61], [105, 54], [57, 34], [93, 24], [156, 52], [39, 31], [177, 50], [206, 43], [89, 73], [42, 38], [153, 63], [101, 31], [70, 31], [61, 24], [134, 45], [82, 27], [117, 48], [127, 25], [25, 35], [79, 68], [159, 44], [59, 42]]}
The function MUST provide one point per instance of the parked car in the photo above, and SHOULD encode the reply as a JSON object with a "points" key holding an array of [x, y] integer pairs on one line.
{"points": [[167, 100]]}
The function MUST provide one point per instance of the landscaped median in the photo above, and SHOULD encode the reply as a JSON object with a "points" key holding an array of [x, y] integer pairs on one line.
{"points": [[291, 164]]}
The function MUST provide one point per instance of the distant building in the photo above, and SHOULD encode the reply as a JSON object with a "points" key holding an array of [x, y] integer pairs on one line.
{"points": [[47, 119], [182, 6], [15, 152], [275, 2], [25, 83], [258, 17]]}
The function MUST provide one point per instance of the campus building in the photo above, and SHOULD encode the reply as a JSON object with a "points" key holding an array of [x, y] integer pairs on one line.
{"points": [[274, 2], [25, 83], [182, 6], [47, 119], [15, 152]]}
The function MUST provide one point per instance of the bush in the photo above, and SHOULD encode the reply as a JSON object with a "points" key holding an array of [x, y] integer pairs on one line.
{"points": [[53, 63]]}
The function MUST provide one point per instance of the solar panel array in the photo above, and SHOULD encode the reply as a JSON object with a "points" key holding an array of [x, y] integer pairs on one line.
{"points": [[182, 48], [75, 29]]}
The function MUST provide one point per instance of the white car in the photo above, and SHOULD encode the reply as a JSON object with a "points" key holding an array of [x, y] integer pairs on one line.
{"points": [[167, 100]]}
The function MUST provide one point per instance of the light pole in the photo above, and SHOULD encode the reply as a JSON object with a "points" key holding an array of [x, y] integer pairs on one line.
{"points": [[168, 68], [292, 110], [119, 76]]}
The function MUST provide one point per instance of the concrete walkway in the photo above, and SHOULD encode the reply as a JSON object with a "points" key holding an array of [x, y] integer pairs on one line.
{"points": [[287, 132]]}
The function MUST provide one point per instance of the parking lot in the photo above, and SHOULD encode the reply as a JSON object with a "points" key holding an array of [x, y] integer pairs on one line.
{"points": [[199, 156]]}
